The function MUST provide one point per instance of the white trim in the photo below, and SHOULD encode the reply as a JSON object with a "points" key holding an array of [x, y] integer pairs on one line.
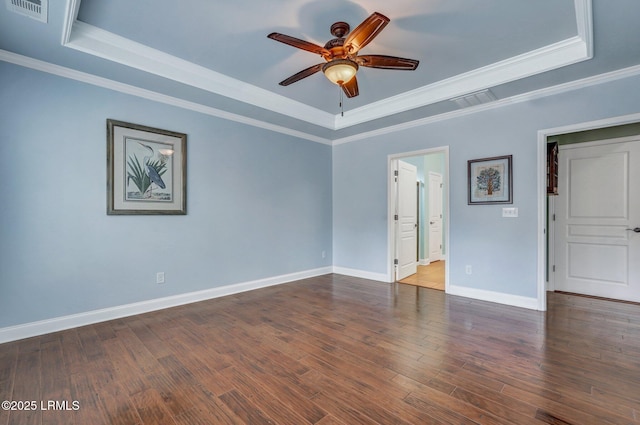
{"points": [[550, 276], [70, 17], [494, 297], [157, 97], [28, 330], [83, 77], [543, 135], [98, 42], [392, 210], [147, 94], [550, 57], [380, 277], [584, 21], [541, 292], [608, 77], [95, 41]]}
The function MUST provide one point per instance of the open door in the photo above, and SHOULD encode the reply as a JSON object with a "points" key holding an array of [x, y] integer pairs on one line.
{"points": [[435, 216], [597, 235], [407, 221]]}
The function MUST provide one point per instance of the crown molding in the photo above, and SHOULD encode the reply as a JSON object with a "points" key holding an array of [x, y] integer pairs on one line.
{"points": [[95, 41], [584, 23], [528, 64], [104, 44], [42, 66], [630, 72], [84, 77]]}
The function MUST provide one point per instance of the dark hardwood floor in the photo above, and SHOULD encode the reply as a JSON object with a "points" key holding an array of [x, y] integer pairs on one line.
{"points": [[336, 350]]}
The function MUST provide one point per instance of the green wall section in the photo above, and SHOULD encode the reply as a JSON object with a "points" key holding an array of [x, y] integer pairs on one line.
{"points": [[597, 134]]}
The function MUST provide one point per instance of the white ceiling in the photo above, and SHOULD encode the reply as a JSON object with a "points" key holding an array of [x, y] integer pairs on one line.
{"points": [[215, 57]]}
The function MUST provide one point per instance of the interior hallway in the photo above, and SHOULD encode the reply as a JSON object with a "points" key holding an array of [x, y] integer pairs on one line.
{"points": [[431, 276]]}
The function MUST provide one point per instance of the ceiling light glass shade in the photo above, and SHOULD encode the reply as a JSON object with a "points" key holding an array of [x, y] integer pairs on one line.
{"points": [[340, 71]]}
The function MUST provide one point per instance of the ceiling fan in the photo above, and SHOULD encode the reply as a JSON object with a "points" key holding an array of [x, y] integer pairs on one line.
{"points": [[341, 54]]}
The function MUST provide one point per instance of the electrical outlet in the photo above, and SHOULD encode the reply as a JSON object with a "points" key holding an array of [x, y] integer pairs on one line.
{"points": [[509, 212], [468, 269], [160, 277]]}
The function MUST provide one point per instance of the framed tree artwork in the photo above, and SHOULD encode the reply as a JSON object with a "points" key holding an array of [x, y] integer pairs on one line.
{"points": [[146, 170], [490, 180]]}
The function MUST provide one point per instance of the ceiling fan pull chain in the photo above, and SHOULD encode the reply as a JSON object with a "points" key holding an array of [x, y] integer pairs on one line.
{"points": [[341, 104]]}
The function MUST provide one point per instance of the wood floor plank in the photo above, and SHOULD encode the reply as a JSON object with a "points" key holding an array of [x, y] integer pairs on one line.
{"points": [[8, 362], [57, 402], [264, 399], [340, 350], [151, 408], [291, 393], [386, 404], [244, 408], [84, 392]]}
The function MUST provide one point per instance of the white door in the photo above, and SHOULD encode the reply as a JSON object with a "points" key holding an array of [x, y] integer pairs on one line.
{"points": [[597, 252], [407, 223], [435, 217]]}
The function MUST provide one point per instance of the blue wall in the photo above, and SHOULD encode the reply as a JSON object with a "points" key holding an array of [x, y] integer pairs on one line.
{"points": [[259, 203], [502, 252]]}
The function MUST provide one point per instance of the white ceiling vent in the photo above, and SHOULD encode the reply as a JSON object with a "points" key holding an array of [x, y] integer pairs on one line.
{"points": [[36, 9], [476, 98]]}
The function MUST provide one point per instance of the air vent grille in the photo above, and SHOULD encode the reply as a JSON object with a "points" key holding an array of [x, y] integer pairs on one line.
{"points": [[36, 9], [473, 99]]}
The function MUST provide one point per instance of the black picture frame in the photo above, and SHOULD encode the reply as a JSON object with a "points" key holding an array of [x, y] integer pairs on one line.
{"points": [[490, 180]]}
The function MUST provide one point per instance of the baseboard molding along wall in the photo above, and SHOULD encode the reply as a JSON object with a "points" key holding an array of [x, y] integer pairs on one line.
{"points": [[380, 277], [462, 291], [27, 330], [494, 297]]}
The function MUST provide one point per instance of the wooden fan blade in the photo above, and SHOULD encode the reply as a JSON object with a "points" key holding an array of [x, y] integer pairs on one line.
{"points": [[365, 32], [387, 62], [302, 74], [300, 44], [350, 88]]}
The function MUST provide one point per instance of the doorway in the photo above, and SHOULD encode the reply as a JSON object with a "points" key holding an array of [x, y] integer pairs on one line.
{"points": [[623, 126], [596, 212], [430, 220]]}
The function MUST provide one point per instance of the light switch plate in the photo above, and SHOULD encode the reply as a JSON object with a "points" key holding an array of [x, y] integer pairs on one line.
{"points": [[510, 212]]}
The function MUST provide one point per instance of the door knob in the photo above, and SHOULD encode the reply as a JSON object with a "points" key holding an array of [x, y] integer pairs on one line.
{"points": [[637, 229]]}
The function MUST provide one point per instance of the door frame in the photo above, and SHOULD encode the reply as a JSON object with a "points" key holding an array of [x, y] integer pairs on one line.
{"points": [[392, 160], [543, 135]]}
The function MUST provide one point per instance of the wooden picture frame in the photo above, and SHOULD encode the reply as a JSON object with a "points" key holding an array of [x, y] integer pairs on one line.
{"points": [[490, 180], [146, 170]]}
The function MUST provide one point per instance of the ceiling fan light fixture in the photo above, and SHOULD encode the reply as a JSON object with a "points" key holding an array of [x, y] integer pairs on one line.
{"points": [[340, 71]]}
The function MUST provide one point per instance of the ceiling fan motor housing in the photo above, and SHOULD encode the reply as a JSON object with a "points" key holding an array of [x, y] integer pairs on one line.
{"points": [[340, 29]]}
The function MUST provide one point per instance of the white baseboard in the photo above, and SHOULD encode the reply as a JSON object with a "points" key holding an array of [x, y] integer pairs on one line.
{"points": [[380, 277], [42, 327], [494, 297], [424, 262]]}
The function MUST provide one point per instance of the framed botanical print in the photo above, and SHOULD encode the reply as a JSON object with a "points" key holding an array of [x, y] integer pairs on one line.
{"points": [[490, 180], [146, 170]]}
